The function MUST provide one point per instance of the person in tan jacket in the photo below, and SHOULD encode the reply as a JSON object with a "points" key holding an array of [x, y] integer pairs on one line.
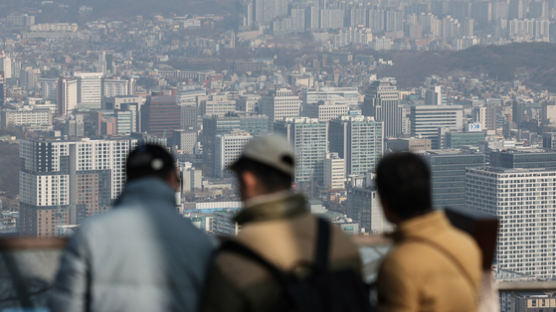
{"points": [[277, 224], [432, 265]]}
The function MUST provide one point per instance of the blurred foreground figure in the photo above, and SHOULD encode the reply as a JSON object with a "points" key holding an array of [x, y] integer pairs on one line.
{"points": [[432, 266], [140, 256], [284, 258]]}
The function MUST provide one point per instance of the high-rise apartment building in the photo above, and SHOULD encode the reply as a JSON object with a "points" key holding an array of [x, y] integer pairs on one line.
{"points": [[448, 175], [89, 90], [309, 138], [65, 181], [280, 104], [228, 148], [359, 140], [382, 101], [524, 201], [429, 121], [67, 96]]}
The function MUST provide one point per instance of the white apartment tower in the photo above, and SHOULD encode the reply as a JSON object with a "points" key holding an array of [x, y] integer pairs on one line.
{"points": [[67, 96], [66, 181], [524, 201]]}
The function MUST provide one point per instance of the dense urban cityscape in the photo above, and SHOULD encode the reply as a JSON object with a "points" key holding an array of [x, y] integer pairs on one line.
{"points": [[345, 82]]}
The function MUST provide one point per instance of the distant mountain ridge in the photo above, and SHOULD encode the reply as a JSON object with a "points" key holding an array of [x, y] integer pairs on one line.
{"points": [[534, 63], [128, 8]]}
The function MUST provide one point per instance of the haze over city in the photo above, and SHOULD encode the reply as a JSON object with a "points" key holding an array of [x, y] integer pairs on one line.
{"points": [[470, 86]]}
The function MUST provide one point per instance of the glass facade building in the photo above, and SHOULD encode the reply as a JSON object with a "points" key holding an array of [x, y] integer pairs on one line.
{"points": [[448, 176]]}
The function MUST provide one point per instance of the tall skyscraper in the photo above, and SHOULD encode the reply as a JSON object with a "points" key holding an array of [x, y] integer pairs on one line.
{"points": [[3, 89], [67, 96], [382, 101], [448, 175], [429, 121], [359, 140], [280, 104], [161, 115], [65, 181], [309, 138], [89, 90], [524, 201]]}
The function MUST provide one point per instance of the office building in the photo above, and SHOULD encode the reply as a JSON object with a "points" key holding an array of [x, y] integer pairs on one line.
{"points": [[435, 96], [67, 96], [364, 208], [523, 200], [26, 117], [448, 175], [461, 139], [549, 140], [358, 140], [309, 138], [213, 126], [228, 148], [161, 115], [115, 87], [325, 111], [408, 145], [382, 101], [217, 105], [185, 140], [345, 96], [49, 89], [429, 121], [334, 172], [523, 159], [89, 90], [66, 181], [281, 103]]}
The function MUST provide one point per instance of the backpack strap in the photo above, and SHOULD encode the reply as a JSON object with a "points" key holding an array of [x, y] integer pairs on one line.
{"points": [[323, 242], [236, 247]]}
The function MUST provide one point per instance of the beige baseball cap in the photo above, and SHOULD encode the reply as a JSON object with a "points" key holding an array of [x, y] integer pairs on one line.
{"points": [[271, 150]]}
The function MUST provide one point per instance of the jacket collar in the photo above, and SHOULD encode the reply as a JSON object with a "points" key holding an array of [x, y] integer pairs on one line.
{"points": [[280, 205], [147, 189], [422, 226]]}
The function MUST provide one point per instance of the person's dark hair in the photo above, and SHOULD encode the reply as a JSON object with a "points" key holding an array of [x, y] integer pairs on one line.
{"points": [[149, 160], [403, 183], [272, 180]]}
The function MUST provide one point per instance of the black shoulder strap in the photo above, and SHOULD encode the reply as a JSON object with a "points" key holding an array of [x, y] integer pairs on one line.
{"points": [[240, 249], [323, 242]]}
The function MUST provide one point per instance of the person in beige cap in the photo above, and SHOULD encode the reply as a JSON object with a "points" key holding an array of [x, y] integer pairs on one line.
{"points": [[276, 224]]}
